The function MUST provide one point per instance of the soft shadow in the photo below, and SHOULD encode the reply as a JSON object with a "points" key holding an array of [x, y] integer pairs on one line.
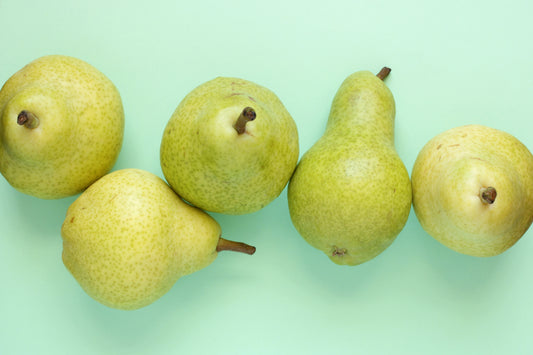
{"points": [[37, 217], [457, 276]]}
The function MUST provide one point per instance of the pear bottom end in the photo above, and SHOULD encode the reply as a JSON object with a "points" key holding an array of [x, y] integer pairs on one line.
{"points": [[342, 256]]}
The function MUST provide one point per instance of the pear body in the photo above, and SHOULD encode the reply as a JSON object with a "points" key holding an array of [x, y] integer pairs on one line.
{"points": [[449, 176], [128, 238], [208, 163], [350, 195], [79, 132]]}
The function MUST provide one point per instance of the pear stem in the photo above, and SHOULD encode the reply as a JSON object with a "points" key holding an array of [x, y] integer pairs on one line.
{"points": [[224, 244], [384, 72], [28, 119], [247, 115], [487, 195]]}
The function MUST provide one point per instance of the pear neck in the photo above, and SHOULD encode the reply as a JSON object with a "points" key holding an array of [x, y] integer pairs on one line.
{"points": [[370, 124], [363, 105]]}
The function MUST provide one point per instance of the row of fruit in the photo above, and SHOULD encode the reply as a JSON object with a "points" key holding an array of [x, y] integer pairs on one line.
{"points": [[231, 147]]}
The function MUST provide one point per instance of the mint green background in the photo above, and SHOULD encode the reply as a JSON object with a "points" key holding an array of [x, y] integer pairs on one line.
{"points": [[453, 63]]}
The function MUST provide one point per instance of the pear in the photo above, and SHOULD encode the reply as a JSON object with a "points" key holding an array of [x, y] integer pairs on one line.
{"points": [[128, 238], [61, 128], [230, 147], [350, 195], [473, 189]]}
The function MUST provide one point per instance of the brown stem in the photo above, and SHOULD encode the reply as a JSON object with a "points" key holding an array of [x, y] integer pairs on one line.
{"points": [[224, 244], [487, 195], [247, 115], [384, 72], [28, 119]]}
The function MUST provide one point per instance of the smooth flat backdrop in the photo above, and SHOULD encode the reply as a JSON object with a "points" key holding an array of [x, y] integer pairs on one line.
{"points": [[453, 63]]}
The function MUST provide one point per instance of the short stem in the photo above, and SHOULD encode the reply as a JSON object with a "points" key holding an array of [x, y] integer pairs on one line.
{"points": [[28, 119], [487, 195], [383, 73], [247, 115], [224, 244]]}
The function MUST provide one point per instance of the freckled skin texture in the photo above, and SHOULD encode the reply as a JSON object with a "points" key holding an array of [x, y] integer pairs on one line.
{"points": [[210, 165], [350, 195], [447, 177], [80, 131], [128, 238]]}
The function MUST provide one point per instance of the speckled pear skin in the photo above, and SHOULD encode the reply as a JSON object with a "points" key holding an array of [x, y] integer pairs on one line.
{"points": [[210, 165], [128, 238], [447, 177], [80, 132], [350, 195]]}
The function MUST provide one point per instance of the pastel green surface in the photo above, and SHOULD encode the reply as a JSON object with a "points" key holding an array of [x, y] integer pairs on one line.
{"points": [[453, 63]]}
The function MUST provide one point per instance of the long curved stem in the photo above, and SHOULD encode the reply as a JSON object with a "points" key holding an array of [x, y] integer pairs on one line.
{"points": [[224, 244]]}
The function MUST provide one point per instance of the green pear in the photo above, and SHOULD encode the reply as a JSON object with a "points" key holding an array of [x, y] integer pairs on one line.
{"points": [[350, 195], [128, 238], [230, 147], [473, 189], [61, 128]]}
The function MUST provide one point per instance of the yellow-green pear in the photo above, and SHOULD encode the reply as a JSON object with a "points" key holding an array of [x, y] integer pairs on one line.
{"points": [[230, 146], [473, 189], [61, 127], [350, 195], [128, 238]]}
